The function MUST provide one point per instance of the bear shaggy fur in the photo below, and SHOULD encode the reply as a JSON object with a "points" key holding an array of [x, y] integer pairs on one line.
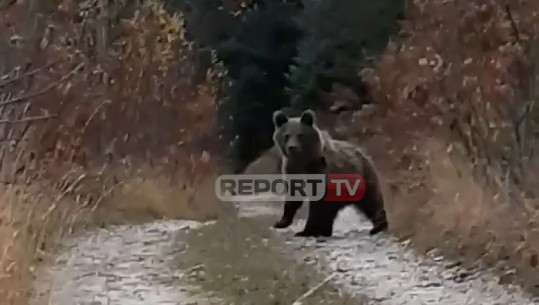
{"points": [[305, 149]]}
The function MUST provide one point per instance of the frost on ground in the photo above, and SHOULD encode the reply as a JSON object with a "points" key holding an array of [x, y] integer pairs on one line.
{"points": [[131, 265], [121, 265], [388, 273]]}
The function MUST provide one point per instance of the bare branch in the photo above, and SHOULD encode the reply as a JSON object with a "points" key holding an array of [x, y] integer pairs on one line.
{"points": [[30, 73], [29, 119], [105, 102], [514, 26], [313, 289], [18, 139], [47, 88]]}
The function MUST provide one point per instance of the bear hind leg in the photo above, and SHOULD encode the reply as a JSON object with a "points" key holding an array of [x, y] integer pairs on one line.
{"points": [[320, 220], [372, 206]]}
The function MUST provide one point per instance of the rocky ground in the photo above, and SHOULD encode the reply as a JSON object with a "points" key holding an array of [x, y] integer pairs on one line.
{"points": [[240, 261], [121, 265]]}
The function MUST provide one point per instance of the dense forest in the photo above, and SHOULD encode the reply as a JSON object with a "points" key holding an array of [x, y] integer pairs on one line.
{"points": [[285, 54]]}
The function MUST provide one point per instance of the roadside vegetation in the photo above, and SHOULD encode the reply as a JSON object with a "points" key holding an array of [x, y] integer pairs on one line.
{"points": [[116, 111]]}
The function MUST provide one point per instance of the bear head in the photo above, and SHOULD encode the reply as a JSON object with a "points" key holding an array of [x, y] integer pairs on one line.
{"points": [[298, 138]]}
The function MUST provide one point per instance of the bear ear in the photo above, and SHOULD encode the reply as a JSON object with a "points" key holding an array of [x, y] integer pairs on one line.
{"points": [[279, 118], [308, 117]]}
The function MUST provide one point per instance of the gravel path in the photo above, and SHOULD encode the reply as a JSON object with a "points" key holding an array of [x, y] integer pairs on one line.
{"points": [[391, 274], [128, 265], [121, 265]]}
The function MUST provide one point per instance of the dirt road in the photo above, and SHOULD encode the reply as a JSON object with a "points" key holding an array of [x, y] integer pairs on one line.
{"points": [[132, 265], [121, 265]]}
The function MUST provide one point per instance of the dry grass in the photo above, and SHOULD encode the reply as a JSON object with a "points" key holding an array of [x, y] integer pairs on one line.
{"points": [[439, 203], [478, 222], [30, 229], [447, 139], [101, 124], [31, 226], [244, 263], [142, 199]]}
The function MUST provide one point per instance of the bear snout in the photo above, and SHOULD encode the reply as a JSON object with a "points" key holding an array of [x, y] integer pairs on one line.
{"points": [[292, 149]]}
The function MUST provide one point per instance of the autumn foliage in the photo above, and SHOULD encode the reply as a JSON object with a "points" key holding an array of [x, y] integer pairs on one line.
{"points": [[100, 121], [456, 130], [116, 89], [463, 72], [105, 101]]}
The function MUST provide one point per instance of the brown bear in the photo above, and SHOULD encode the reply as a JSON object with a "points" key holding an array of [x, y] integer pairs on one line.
{"points": [[305, 149]]}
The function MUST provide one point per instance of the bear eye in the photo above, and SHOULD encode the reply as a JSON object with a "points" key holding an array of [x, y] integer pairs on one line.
{"points": [[286, 137]]}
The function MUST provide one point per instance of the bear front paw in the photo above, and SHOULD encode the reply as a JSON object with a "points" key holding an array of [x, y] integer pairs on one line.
{"points": [[311, 233], [379, 228], [305, 234], [281, 224]]}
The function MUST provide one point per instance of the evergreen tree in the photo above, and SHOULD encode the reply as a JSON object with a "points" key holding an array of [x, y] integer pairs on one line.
{"points": [[257, 48], [258, 60], [323, 41], [339, 35]]}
